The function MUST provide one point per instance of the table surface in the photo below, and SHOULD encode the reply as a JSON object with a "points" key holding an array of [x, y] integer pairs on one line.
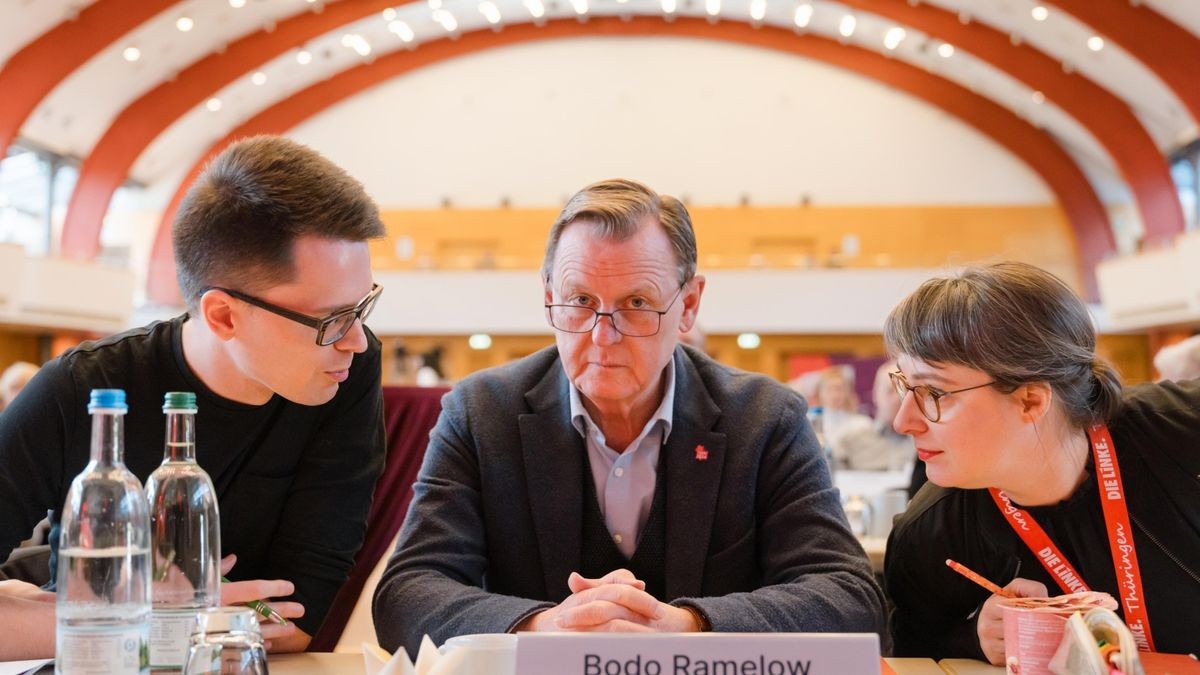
{"points": [[352, 664]]}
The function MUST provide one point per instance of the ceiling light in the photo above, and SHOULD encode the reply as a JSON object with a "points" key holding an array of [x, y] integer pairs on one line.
{"points": [[1038, 97], [356, 42], [803, 15], [480, 341], [712, 7], [259, 78], [758, 9], [237, 4], [846, 26], [213, 104], [304, 57], [749, 340], [1040, 13], [435, 5], [389, 14], [401, 29], [446, 19], [1095, 43], [132, 54], [536, 9], [581, 6], [668, 6], [490, 11], [945, 50], [893, 37], [184, 24]]}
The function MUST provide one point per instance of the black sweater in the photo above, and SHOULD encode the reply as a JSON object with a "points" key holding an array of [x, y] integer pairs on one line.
{"points": [[1157, 438], [294, 482]]}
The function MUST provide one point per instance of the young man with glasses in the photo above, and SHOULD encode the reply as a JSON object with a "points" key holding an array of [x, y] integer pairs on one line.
{"points": [[617, 480], [272, 257]]}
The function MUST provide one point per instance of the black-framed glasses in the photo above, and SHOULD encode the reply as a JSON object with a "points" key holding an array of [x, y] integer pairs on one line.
{"points": [[928, 399], [628, 322], [330, 328]]}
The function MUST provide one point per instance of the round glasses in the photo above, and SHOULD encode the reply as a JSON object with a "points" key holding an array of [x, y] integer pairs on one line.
{"points": [[927, 398], [628, 322]]}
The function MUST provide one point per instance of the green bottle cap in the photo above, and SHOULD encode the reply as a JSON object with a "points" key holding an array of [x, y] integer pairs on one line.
{"points": [[179, 400]]}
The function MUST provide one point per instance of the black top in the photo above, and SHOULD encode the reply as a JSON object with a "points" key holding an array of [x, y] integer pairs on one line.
{"points": [[294, 482], [1157, 438]]}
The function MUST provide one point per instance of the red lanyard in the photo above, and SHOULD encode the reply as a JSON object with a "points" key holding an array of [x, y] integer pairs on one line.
{"points": [[1120, 539]]}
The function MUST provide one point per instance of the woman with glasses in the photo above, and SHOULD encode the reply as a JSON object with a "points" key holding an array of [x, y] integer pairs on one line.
{"points": [[1045, 476]]}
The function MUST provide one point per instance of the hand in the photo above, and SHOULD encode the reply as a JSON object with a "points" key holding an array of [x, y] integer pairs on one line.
{"points": [[990, 624], [276, 637], [27, 614], [615, 602], [24, 591]]}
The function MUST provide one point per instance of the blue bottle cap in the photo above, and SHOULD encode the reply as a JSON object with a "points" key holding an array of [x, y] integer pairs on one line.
{"points": [[107, 399]]}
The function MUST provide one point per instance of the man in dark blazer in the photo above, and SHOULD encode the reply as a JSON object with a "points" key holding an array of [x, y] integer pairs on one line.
{"points": [[618, 480]]}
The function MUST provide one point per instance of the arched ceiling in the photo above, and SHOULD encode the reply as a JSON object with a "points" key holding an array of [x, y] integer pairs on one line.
{"points": [[146, 117]]}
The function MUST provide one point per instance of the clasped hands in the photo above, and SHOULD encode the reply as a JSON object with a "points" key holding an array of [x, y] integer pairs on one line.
{"points": [[616, 602]]}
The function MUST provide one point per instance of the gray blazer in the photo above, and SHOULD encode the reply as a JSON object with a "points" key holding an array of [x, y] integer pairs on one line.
{"points": [[756, 537]]}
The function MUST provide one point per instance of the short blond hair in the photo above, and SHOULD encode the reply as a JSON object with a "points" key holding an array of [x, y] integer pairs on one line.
{"points": [[616, 207]]}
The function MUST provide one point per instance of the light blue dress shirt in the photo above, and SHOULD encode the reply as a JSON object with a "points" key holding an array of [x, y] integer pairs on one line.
{"points": [[625, 481]]}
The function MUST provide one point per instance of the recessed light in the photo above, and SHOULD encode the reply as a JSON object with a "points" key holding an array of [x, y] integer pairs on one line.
{"points": [[1095, 43], [304, 57], [259, 78], [213, 104], [1040, 13], [132, 54], [184, 24]]}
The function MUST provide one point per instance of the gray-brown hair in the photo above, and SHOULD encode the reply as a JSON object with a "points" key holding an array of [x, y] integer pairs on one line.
{"points": [[616, 208], [238, 221], [1017, 323]]}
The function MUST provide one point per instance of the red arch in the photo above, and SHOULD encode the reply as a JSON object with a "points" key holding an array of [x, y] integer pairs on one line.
{"points": [[106, 167], [35, 70], [1166, 48], [1105, 115], [1083, 208]]}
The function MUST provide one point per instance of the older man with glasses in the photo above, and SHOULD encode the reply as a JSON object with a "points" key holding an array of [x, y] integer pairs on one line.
{"points": [[618, 481], [273, 263]]}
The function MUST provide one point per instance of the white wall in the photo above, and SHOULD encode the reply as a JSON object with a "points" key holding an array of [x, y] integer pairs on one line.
{"points": [[707, 120]]}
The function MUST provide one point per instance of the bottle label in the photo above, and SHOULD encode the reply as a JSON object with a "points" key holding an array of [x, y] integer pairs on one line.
{"points": [[107, 650], [170, 635]]}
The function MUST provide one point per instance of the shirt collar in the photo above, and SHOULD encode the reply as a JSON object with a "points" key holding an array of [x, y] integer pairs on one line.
{"points": [[665, 413]]}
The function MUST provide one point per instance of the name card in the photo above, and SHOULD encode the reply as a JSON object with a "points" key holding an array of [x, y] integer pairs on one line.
{"points": [[698, 654]]}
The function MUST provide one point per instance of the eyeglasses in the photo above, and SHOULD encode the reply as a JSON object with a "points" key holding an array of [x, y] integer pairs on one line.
{"points": [[629, 322], [330, 328], [928, 399]]}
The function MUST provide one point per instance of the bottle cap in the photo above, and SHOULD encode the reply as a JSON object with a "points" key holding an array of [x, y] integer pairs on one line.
{"points": [[179, 400], [107, 399]]}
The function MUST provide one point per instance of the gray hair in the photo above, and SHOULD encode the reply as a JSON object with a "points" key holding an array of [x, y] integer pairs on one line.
{"points": [[1180, 361], [1017, 323], [616, 207]]}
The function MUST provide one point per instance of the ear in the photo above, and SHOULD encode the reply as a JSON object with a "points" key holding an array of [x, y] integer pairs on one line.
{"points": [[1035, 399], [691, 302], [219, 314]]}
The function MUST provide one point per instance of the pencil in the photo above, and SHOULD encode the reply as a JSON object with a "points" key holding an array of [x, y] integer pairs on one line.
{"points": [[974, 576], [267, 611]]}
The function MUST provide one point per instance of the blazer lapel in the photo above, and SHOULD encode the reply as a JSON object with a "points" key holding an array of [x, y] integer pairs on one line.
{"points": [[694, 460], [553, 456]]}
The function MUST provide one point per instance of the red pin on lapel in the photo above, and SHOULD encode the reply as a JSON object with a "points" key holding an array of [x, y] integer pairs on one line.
{"points": [[701, 453]]}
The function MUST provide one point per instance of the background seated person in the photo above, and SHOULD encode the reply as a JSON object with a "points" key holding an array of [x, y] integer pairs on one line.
{"points": [[1180, 361], [13, 380], [618, 481], [839, 404], [873, 445], [1024, 429]]}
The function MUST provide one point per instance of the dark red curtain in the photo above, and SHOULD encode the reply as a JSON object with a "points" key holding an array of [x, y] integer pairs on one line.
{"points": [[409, 413]]}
